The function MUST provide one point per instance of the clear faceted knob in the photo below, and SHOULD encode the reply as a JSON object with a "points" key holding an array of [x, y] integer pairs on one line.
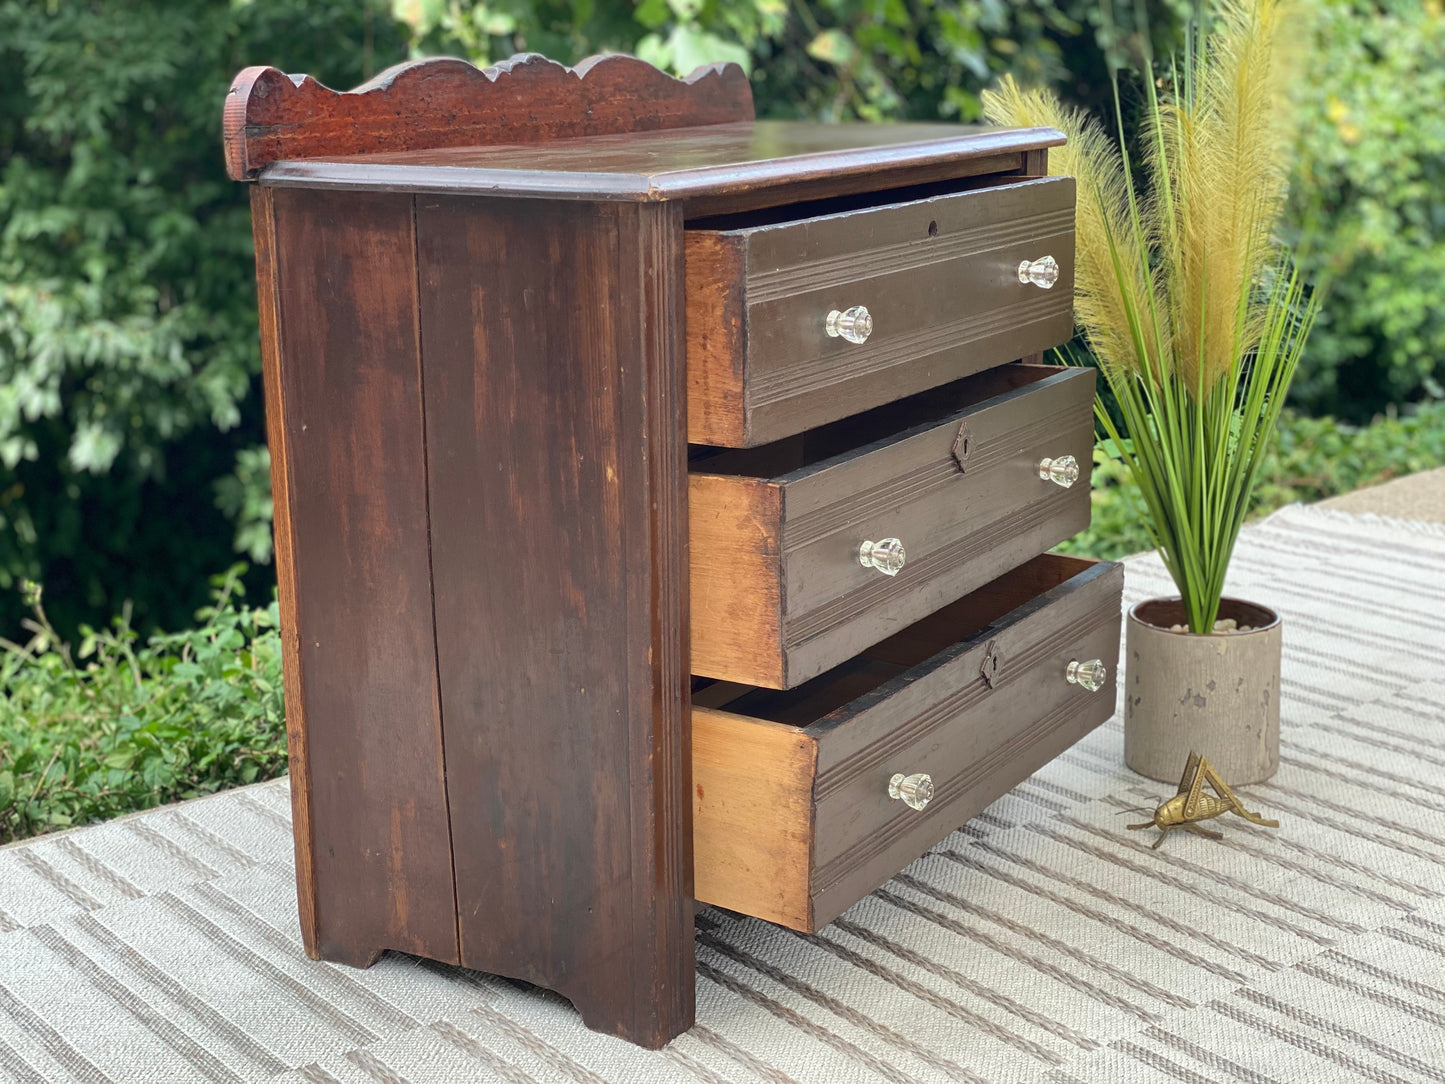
{"points": [[854, 324], [886, 556], [916, 790], [1063, 471], [1090, 675], [1042, 273]]}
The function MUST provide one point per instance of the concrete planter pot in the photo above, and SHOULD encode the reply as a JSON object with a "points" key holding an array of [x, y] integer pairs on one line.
{"points": [[1216, 694]]}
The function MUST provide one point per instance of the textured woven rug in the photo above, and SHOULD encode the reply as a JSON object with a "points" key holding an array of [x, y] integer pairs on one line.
{"points": [[1042, 942]]}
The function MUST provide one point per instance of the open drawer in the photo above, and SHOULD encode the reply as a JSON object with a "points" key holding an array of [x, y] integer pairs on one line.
{"points": [[793, 820], [942, 281], [779, 593]]}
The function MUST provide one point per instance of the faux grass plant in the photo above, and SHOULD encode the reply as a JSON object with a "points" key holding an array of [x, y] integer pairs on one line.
{"points": [[1187, 299]]}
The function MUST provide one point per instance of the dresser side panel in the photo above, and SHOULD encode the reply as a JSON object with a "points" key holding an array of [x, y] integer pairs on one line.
{"points": [[551, 334], [343, 382], [263, 227]]}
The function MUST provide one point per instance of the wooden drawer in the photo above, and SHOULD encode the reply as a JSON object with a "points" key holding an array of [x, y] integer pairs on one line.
{"points": [[939, 276], [792, 821], [778, 593]]}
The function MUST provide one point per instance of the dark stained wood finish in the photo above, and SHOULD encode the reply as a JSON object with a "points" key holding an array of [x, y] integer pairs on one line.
{"points": [[918, 703], [718, 169], [263, 227], [1036, 162], [940, 277], [445, 102], [779, 595], [339, 327], [472, 291], [551, 332]]}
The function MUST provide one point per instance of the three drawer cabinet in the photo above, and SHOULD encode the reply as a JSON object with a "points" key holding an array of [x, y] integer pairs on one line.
{"points": [[663, 504]]}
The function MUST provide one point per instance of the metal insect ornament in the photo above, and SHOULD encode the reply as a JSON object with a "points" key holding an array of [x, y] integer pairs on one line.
{"points": [[1192, 805]]}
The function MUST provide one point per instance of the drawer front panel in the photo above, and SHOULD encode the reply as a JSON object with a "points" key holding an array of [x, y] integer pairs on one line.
{"points": [[976, 740], [978, 715], [961, 527], [939, 277], [779, 595]]}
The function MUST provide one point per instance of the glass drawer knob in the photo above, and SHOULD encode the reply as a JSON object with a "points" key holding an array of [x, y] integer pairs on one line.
{"points": [[854, 324], [1042, 273], [1090, 675], [916, 790], [886, 556], [1063, 471]]}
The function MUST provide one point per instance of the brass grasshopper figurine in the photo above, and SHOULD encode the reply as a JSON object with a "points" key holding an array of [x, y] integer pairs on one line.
{"points": [[1191, 804]]}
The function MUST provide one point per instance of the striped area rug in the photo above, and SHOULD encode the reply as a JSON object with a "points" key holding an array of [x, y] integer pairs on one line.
{"points": [[1040, 943]]}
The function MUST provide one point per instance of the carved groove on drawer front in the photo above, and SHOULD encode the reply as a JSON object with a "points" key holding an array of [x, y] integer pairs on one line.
{"points": [[879, 840], [846, 607], [1015, 668], [820, 373], [906, 255], [858, 506]]}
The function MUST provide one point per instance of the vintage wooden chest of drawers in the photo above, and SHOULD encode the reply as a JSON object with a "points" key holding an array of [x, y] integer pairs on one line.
{"points": [[662, 500]]}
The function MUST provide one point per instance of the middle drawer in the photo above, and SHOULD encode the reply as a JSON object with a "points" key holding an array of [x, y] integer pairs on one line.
{"points": [[947, 487]]}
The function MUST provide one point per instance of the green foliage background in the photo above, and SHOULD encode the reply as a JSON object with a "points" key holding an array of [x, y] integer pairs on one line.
{"points": [[1369, 200], [122, 724], [129, 358], [132, 462]]}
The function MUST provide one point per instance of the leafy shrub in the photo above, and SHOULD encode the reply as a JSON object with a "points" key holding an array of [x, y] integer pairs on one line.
{"points": [[130, 415], [120, 726], [1310, 459], [131, 462], [129, 354], [1370, 192], [826, 59]]}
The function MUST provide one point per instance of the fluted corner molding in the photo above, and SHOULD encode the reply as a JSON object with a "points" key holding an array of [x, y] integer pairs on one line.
{"points": [[446, 102]]}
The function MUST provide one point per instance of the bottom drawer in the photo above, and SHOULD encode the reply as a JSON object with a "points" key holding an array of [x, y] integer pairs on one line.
{"points": [[793, 820]]}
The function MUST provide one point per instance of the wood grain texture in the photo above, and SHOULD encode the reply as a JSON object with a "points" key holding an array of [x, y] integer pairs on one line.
{"points": [[348, 466], [551, 337], [263, 228], [896, 476], [716, 267], [976, 740], [939, 276], [962, 528], [915, 703], [445, 102], [753, 816], [735, 542], [714, 169]]}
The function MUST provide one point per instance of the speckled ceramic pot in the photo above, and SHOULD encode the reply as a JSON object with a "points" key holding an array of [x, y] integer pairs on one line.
{"points": [[1216, 694]]}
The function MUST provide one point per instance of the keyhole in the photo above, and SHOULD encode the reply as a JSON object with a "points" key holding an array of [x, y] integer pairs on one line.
{"points": [[933, 229]]}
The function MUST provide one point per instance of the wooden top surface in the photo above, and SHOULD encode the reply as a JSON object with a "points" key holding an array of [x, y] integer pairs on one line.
{"points": [[679, 163]]}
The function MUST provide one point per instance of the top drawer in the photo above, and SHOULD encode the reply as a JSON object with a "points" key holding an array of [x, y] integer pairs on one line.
{"points": [[939, 277]]}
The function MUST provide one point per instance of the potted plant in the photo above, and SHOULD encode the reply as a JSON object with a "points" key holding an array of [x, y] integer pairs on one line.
{"points": [[1197, 318]]}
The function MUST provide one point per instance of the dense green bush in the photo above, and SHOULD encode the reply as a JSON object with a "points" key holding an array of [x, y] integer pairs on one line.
{"points": [[830, 59], [128, 342], [1369, 198], [130, 420], [1311, 458], [131, 462], [118, 725]]}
